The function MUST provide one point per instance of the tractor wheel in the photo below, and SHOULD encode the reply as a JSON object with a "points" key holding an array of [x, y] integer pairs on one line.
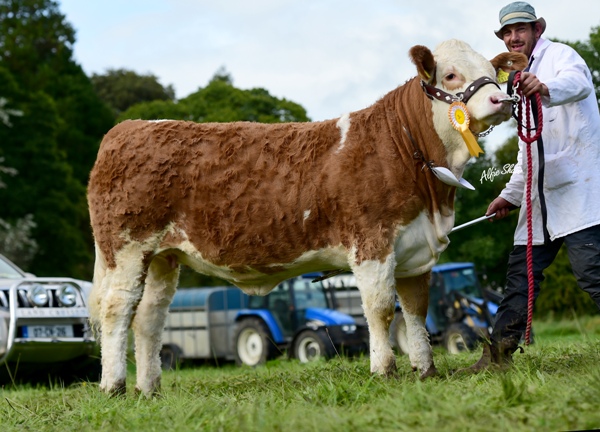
{"points": [[459, 338], [398, 334], [170, 357], [311, 346], [253, 343]]}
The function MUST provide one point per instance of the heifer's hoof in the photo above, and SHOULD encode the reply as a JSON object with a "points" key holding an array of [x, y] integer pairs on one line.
{"points": [[431, 372], [385, 368], [149, 388], [117, 389], [148, 395]]}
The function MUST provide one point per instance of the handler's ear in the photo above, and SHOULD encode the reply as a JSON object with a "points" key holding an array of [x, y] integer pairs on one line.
{"points": [[422, 57], [506, 62]]}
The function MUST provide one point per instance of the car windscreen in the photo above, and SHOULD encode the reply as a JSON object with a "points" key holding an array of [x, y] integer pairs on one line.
{"points": [[7, 271]]}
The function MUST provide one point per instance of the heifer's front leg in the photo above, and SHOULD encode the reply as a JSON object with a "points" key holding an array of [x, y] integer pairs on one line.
{"points": [[376, 283], [122, 292], [149, 322], [414, 299]]}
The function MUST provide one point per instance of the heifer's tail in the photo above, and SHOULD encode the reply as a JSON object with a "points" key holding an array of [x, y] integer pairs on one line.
{"points": [[95, 299]]}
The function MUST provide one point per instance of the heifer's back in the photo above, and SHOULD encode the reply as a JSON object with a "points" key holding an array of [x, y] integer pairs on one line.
{"points": [[226, 196]]}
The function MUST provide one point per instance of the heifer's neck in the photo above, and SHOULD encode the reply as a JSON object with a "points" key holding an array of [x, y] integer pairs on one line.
{"points": [[414, 126]]}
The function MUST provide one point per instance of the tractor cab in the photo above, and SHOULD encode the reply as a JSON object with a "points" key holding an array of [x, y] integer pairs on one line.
{"points": [[289, 302]]}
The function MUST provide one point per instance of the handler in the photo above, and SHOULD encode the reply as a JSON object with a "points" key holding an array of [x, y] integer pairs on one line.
{"points": [[565, 177]]}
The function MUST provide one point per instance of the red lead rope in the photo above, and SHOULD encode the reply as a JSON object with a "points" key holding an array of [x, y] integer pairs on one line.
{"points": [[524, 134]]}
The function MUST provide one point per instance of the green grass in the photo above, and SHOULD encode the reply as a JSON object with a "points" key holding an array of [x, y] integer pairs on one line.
{"points": [[554, 385]]}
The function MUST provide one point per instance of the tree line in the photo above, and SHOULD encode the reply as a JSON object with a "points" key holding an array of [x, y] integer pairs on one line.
{"points": [[53, 117]]}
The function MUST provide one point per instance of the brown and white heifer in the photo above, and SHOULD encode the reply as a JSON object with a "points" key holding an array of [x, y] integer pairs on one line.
{"points": [[255, 204]]}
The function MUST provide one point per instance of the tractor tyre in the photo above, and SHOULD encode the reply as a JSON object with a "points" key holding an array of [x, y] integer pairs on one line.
{"points": [[170, 357], [311, 346], [459, 338], [253, 343]]}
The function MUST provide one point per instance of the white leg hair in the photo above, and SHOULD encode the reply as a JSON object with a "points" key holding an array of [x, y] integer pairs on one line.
{"points": [[413, 293], [121, 291], [94, 301], [376, 283], [149, 321]]}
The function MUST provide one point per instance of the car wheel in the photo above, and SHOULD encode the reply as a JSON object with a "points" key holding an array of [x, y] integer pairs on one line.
{"points": [[459, 338], [253, 343], [311, 346], [170, 357], [398, 336]]}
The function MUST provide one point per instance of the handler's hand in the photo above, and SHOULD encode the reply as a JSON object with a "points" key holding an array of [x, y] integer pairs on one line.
{"points": [[499, 206], [530, 85]]}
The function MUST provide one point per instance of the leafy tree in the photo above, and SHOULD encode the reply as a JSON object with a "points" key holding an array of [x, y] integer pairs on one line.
{"points": [[16, 241], [220, 101], [43, 187], [54, 144], [36, 46], [121, 88], [487, 243], [590, 51]]}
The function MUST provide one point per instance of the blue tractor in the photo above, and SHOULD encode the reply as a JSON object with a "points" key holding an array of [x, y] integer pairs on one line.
{"points": [[224, 323], [459, 315]]}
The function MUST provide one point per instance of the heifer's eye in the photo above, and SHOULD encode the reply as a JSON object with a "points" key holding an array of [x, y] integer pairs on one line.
{"points": [[453, 80]]}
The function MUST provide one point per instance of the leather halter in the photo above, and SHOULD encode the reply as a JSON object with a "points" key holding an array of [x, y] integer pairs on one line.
{"points": [[434, 92]]}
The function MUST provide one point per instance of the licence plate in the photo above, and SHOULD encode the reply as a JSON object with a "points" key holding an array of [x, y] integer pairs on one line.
{"points": [[56, 331]]}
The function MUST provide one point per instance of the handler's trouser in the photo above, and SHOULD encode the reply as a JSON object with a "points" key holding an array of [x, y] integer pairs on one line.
{"points": [[583, 248]]}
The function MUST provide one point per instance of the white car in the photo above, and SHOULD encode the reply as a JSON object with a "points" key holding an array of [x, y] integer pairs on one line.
{"points": [[44, 329]]}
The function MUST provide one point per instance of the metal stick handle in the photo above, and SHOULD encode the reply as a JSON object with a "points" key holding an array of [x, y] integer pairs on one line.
{"points": [[473, 222]]}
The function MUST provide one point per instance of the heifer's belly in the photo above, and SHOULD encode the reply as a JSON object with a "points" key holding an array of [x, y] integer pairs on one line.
{"points": [[260, 280], [419, 244]]}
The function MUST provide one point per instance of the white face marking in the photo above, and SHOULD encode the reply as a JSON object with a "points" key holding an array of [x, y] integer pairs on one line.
{"points": [[466, 66], [306, 214], [344, 125], [160, 120]]}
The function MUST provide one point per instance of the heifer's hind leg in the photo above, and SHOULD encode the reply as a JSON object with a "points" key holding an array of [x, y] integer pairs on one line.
{"points": [[414, 299], [149, 321], [376, 283], [121, 292]]}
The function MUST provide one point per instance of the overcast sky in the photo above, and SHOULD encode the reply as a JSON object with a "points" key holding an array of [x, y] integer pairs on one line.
{"points": [[330, 56]]}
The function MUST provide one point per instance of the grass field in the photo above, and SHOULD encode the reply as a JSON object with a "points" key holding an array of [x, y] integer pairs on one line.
{"points": [[553, 386]]}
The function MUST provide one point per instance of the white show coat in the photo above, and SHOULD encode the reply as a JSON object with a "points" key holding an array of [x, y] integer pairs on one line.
{"points": [[571, 137]]}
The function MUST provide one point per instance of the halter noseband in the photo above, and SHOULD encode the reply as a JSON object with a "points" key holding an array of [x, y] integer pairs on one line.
{"points": [[434, 92]]}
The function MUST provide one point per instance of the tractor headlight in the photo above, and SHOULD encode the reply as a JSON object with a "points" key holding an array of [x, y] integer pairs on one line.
{"points": [[37, 295], [67, 295], [349, 328]]}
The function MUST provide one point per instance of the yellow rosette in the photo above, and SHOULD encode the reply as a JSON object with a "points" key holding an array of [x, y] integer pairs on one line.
{"points": [[459, 117]]}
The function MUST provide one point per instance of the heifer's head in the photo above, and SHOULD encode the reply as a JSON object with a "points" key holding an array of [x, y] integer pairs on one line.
{"points": [[448, 75]]}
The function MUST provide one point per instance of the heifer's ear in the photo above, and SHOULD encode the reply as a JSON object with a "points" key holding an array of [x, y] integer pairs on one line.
{"points": [[423, 60], [506, 62]]}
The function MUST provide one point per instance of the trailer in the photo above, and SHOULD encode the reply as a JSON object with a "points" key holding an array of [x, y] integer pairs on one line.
{"points": [[227, 324], [459, 315]]}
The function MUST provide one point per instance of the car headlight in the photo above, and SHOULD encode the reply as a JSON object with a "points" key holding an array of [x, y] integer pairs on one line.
{"points": [[37, 295], [67, 295]]}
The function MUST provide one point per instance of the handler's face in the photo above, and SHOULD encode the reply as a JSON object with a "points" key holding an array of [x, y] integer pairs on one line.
{"points": [[521, 37]]}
